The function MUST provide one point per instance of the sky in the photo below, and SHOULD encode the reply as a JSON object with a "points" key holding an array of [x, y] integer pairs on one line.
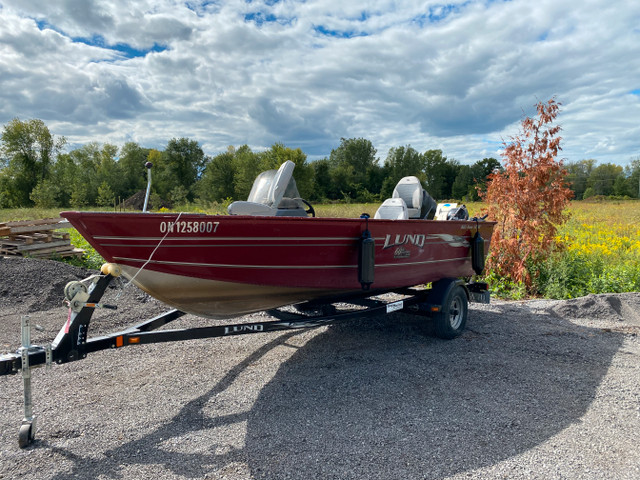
{"points": [[456, 76]]}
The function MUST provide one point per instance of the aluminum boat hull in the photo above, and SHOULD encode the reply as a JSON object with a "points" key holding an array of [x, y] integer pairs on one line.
{"points": [[219, 266]]}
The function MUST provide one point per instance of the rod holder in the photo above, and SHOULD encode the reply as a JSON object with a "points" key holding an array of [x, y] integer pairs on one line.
{"points": [[148, 165]]}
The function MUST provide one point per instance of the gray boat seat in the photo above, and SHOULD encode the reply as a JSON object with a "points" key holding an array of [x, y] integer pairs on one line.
{"points": [[419, 202], [392, 209], [274, 193]]}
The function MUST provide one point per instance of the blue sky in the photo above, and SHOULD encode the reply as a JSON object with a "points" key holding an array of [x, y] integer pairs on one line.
{"points": [[456, 76]]}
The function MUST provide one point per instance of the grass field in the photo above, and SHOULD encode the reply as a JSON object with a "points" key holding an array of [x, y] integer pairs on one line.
{"points": [[599, 246], [599, 251]]}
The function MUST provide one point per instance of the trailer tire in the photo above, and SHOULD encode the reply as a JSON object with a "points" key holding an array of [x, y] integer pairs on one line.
{"points": [[450, 321]]}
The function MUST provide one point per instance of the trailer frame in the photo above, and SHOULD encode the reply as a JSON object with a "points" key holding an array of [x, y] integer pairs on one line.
{"points": [[73, 342]]}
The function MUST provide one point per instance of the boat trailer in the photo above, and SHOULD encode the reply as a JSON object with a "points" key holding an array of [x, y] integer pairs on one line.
{"points": [[446, 302]]}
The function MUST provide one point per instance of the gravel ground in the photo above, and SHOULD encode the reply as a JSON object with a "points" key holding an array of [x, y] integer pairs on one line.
{"points": [[535, 389]]}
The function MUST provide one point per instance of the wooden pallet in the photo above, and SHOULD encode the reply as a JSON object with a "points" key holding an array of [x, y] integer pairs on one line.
{"points": [[37, 238]]}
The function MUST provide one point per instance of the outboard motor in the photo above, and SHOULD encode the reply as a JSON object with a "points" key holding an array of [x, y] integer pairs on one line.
{"points": [[458, 213]]}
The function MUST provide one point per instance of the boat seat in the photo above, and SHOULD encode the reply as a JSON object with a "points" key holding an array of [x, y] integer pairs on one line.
{"points": [[393, 209], [267, 194], [419, 202]]}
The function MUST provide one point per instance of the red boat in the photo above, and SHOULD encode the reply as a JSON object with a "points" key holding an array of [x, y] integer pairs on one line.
{"points": [[225, 265], [268, 253], [228, 265]]}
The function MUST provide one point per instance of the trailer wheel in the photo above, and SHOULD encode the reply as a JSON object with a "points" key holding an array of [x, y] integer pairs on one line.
{"points": [[452, 318]]}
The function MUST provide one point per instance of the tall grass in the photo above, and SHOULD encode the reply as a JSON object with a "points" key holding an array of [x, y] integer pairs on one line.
{"points": [[598, 252], [15, 214]]}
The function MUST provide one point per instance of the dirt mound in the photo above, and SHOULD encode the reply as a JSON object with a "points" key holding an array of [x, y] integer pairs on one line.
{"points": [[35, 285], [136, 202], [622, 307]]}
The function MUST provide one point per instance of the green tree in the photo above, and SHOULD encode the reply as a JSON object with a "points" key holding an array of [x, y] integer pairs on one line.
{"points": [[440, 173], [105, 195], [181, 163], [401, 162], [620, 186], [94, 164], [577, 174], [216, 183], [131, 166], [632, 173], [463, 187], [322, 177], [247, 166], [6, 197], [481, 171], [65, 175], [44, 194], [28, 150], [108, 170], [79, 196], [178, 195], [602, 179], [471, 180], [353, 166]]}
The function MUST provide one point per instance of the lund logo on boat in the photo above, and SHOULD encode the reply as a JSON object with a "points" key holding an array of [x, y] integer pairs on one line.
{"points": [[243, 328], [417, 240]]}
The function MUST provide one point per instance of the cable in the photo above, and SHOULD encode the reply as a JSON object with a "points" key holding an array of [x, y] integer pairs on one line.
{"points": [[149, 259]]}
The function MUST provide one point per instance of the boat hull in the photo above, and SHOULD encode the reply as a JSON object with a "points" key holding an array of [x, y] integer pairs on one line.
{"points": [[217, 299], [220, 266]]}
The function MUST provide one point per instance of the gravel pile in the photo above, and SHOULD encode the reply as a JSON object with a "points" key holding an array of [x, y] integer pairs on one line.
{"points": [[534, 389]]}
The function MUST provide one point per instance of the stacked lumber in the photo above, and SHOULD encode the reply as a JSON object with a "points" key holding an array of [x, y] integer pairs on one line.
{"points": [[37, 238]]}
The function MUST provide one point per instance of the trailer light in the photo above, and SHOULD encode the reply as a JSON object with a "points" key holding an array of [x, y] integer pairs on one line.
{"points": [[435, 309], [134, 340]]}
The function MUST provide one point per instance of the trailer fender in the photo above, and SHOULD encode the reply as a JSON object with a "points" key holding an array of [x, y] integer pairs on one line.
{"points": [[441, 289]]}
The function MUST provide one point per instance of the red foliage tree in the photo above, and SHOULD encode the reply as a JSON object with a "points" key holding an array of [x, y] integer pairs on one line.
{"points": [[528, 198]]}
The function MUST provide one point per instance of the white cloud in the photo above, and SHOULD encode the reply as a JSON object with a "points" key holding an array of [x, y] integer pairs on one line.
{"points": [[452, 76]]}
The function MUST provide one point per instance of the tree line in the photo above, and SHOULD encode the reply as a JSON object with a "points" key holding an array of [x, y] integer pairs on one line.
{"points": [[34, 170]]}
